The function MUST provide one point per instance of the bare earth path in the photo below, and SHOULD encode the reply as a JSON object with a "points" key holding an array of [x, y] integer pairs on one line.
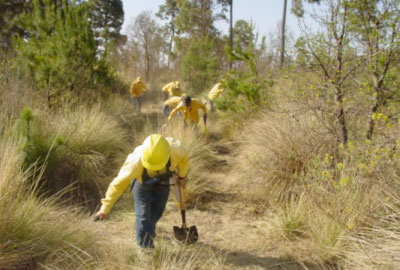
{"points": [[228, 224]]}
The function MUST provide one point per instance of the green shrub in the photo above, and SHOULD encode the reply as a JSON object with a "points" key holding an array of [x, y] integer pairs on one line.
{"points": [[32, 229], [77, 149], [59, 53]]}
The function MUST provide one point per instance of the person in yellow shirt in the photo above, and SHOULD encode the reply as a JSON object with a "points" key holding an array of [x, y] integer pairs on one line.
{"points": [[190, 108], [150, 166], [170, 104], [138, 87], [213, 94], [172, 89]]}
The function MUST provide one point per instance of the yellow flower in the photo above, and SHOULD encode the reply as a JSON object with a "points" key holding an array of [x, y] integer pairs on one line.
{"points": [[350, 226], [363, 166], [372, 163], [309, 186], [326, 174], [389, 125], [339, 165], [327, 160], [351, 145], [334, 184], [343, 181]]}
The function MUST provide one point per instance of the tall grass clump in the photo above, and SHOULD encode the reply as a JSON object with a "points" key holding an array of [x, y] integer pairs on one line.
{"points": [[122, 109], [33, 231], [77, 149], [275, 151], [329, 201]]}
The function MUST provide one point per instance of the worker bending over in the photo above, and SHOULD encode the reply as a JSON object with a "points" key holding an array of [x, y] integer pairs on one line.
{"points": [[150, 166], [172, 89], [170, 104], [190, 108]]}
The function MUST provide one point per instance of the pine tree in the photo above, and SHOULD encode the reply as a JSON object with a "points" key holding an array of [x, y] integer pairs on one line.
{"points": [[107, 18], [10, 10], [59, 50]]}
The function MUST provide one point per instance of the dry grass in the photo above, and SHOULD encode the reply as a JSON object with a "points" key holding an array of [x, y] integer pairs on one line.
{"points": [[275, 153], [78, 148], [32, 230], [320, 194]]}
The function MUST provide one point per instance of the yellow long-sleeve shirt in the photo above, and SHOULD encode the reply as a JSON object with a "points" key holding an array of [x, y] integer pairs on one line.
{"points": [[215, 91], [173, 89], [133, 169], [138, 87], [191, 114]]}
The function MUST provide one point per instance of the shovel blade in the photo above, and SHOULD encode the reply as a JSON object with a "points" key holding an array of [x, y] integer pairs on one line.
{"points": [[186, 235]]}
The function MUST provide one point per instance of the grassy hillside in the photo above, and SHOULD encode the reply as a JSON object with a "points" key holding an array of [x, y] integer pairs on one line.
{"points": [[268, 189]]}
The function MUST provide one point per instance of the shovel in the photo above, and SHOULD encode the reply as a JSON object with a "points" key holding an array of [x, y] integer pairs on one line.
{"points": [[183, 234]]}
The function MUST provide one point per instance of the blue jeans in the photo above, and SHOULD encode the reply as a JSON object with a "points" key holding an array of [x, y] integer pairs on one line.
{"points": [[166, 110], [150, 202], [137, 102]]}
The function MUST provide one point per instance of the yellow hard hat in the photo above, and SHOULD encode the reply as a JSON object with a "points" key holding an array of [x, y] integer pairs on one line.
{"points": [[155, 153]]}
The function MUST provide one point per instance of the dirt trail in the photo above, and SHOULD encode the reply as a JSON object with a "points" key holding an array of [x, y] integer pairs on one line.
{"points": [[227, 223]]}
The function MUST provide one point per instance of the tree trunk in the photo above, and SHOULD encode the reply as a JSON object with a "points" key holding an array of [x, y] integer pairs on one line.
{"points": [[283, 34], [231, 30], [170, 44], [371, 122], [341, 116]]}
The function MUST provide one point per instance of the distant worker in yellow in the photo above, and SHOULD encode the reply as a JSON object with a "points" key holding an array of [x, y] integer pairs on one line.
{"points": [[170, 104], [214, 94], [138, 87], [190, 108], [172, 89]]}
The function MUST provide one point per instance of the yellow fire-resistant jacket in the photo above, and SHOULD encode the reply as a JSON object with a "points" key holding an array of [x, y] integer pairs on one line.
{"points": [[172, 102], [133, 169], [192, 114], [215, 91], [173, 89], [138, 87]]}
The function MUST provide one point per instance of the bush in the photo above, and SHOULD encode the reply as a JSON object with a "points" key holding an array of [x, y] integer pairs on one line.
{"points": [[32, 229], [59, 53], [76, 149], [276, 152]]}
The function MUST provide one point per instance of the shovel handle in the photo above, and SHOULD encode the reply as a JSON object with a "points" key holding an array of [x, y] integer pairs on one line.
{"points": [[183, 215]]}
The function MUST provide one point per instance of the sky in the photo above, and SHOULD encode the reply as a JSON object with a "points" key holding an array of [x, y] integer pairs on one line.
{"points": [[265, 14]]}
